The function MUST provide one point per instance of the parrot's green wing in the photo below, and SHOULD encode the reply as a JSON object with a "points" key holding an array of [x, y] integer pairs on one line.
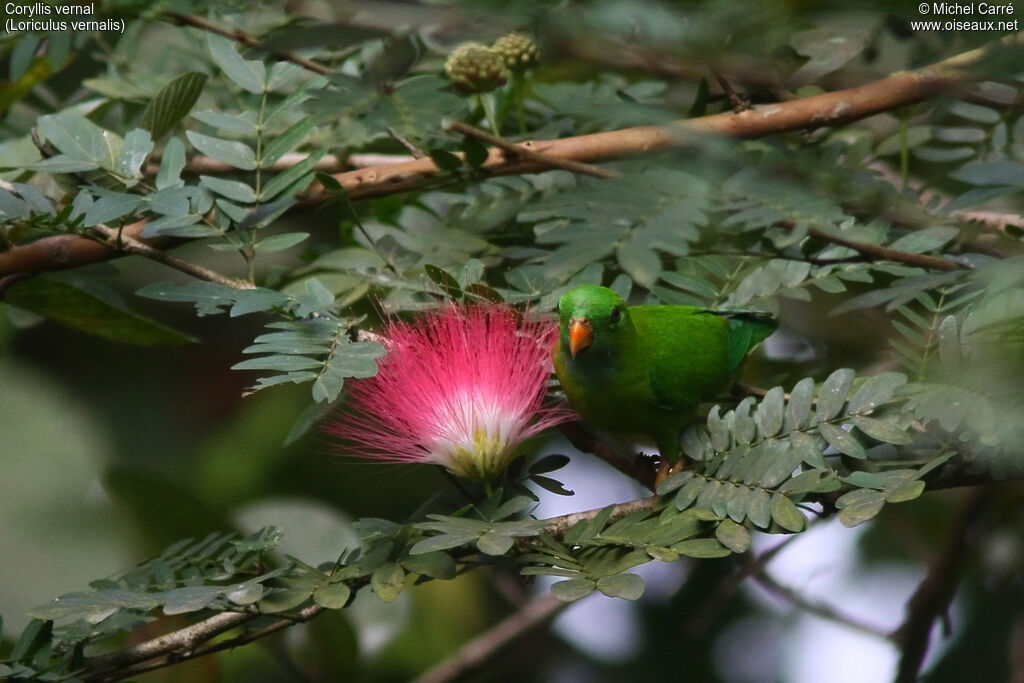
{"points": [[688, 354], [747, 329]]}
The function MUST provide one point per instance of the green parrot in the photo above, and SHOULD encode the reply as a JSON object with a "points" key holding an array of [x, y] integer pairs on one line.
{"points": [[644, 370]]}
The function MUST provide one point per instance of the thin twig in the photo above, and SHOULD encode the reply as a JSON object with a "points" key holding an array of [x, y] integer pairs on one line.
{"points": [[129, 245], [881, 253], [523, 151], [476, 653], [245, 39], [818, 609], [739, 103], [697, 625], [557, 526], [936, 591], [415, 151]]}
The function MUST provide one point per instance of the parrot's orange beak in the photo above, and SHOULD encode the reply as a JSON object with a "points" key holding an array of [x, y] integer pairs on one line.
{"points": [[581, 335]]}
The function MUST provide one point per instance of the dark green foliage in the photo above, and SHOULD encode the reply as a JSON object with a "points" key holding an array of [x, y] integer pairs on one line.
{"points": [[90, 308], [172, 103]]}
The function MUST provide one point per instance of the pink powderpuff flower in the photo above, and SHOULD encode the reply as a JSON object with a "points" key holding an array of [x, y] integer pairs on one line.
{"points": [[460, 387]]}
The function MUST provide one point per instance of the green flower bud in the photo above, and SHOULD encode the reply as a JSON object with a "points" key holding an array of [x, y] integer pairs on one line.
{"points": [[475, 68], [518, 50]]}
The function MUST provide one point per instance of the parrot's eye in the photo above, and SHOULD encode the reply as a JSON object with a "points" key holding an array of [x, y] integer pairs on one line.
{"points": [[615, 316]]}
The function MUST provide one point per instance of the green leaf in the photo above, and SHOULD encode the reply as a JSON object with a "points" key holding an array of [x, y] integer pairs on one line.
{"points": [[189, 599], [701, 548], [549, 463], [905, 492], [689, 492], [733, 536], [640, 263], [444, 541], [249, 75], [991, 173], [436, 565], [626, 586], [171, 165], [476, 152], [770, 412], [974, 112], [759, 510], [551, 485], [286, 141], [571, 590], [875, 391], [283, 599], [786, 514], [257, 300], [62, 163], [245, 593], [928, 239], [388, 580], [172, 103], [700, 100], [805, 482], [494, 543], [232, 189], [857, 507], [35, 636], [81, 308], [236, 154], [833, 393], [78, 137], [332, 596], [442, 279], [350, 359], [137, 147], [243, 124], [295, 179], [208, 297], [22, 55], [842, 440], [446, 161], [673, 482], [280, 242], [882, 430], [111, 207]]}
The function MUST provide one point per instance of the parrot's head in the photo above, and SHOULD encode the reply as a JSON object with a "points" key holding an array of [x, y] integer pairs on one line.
{"points": [[592, 320]]}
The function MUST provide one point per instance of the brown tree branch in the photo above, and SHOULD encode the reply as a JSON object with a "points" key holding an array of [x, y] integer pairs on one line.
{"points": [[475, 654], [329, 163], [829, 109], [935, 593], [518, 152]]}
